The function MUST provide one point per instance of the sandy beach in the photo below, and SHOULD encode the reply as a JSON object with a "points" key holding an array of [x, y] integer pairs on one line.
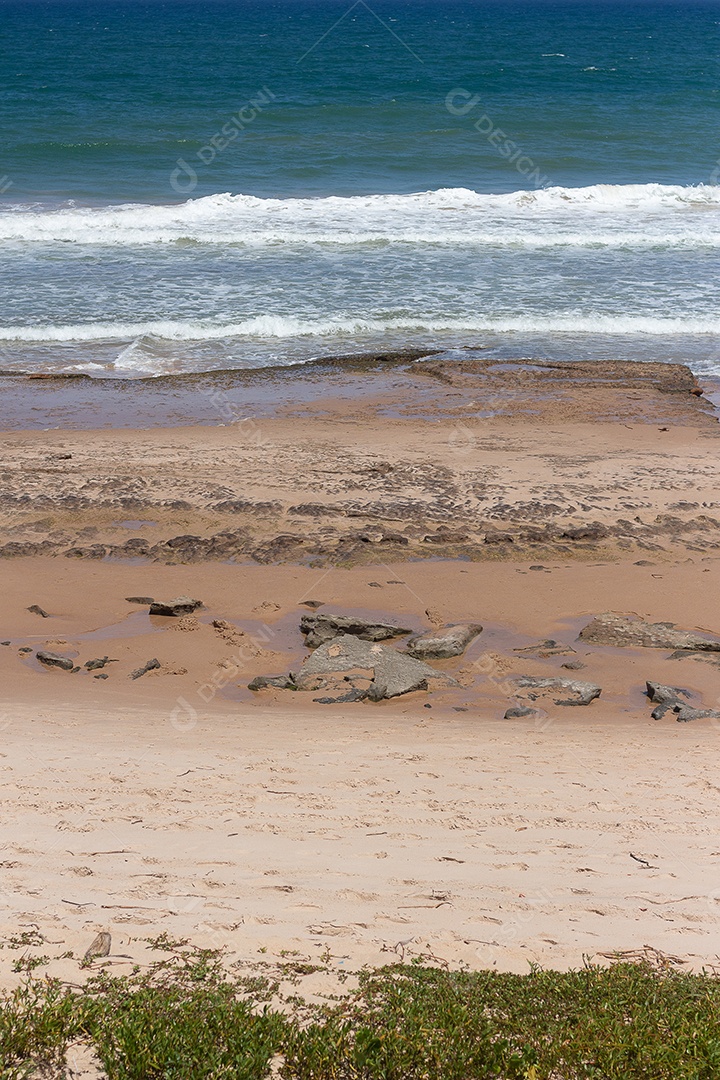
{"points": [[527, 501]]}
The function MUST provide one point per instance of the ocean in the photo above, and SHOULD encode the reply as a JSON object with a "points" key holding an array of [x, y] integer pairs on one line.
{"points": [[193, 186]]}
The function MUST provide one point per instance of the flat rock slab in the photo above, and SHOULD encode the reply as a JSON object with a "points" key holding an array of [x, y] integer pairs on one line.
{"points": [[620, 630], [181, 605], [321, 628], [393, 672], [442, 644], [584, 692], [53, 660]]}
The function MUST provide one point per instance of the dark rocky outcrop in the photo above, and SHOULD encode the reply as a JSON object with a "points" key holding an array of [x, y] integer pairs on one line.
{"points": [[181, 605]]}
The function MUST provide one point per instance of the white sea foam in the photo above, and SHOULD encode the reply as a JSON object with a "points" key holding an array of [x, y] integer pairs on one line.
{"points": [[280, 327], [604, 215]]}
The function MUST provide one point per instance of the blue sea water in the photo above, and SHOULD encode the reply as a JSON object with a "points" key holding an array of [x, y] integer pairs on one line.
{"points": [[187, 186]]}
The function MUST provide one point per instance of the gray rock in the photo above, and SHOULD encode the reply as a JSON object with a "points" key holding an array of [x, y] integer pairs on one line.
{"points": [[35, 609], [53, 660], [666, 697], [150, 666], [585, 692], [517, 711], [278, 682], [619, 630], [351, 695], [181, 605], [321, 628], [99, 662], [393, 672], [441, 644], [144, 600], [574, 665], [687, 712]]}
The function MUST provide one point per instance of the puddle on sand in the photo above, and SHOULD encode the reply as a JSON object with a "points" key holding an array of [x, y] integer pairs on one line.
{"points": [[134, 624]]}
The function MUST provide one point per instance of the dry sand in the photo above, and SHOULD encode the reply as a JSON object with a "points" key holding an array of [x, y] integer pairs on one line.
{"points": [[182, 802]]}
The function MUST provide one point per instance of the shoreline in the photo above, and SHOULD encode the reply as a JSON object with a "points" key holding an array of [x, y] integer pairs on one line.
{"points": [[33, 400], [479, 460]]}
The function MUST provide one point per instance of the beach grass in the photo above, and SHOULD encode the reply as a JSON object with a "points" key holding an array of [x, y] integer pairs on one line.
{"points": [[187, 1017]]}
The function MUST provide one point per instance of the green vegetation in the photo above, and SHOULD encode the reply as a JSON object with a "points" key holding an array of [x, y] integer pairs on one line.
{"points": [[187, 1017]]}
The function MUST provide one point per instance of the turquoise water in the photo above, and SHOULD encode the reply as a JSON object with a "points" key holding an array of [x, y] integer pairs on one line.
{"points": [[187, 186]]}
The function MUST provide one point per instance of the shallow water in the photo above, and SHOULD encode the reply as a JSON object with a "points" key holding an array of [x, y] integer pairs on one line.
{"points": [[365, 194]]}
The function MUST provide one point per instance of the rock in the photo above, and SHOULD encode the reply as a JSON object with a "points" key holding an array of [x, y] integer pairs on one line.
{"points": [[95, 551], [379, 536], [687, 712], [103, 675], [619, 630], [499, 538], [53, 660], [100, 946], [181, 605], [312, 604], [668, 697], [284, 547], [25, 649], [321, 628], [665, 694], [586, 692], [574, 665], [144, 600], [517, 711], [279, 682], [447, 536], [441, 644], [595, 530], [99, 662], [351, 695], [393, 672], [35, 609], [150, 666]]}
